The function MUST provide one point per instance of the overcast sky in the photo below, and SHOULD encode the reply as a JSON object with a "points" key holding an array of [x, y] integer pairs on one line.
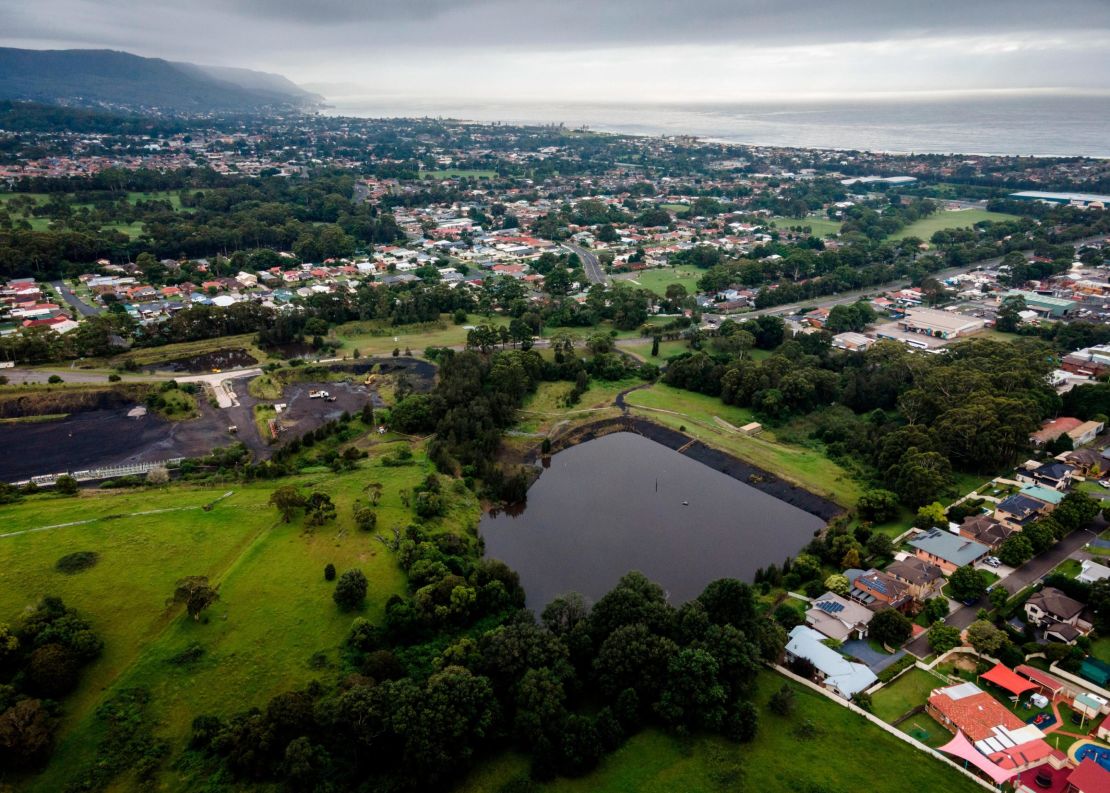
{"points": [[637, 50]]}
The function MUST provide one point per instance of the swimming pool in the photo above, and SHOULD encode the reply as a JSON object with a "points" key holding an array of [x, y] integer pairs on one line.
{"points": [[1100, 754]]}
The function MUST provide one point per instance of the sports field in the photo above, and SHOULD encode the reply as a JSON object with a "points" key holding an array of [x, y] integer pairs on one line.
{"points": [[949, 219]]}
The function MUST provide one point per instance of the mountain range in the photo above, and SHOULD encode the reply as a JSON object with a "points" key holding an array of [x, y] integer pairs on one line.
{"points": [[121, 80]]}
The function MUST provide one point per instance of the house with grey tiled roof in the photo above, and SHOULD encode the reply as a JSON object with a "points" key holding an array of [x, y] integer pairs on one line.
{"points": [[946, 550]]}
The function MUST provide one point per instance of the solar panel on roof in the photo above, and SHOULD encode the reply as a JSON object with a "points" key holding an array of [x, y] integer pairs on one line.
{"points": [[830, 607]]}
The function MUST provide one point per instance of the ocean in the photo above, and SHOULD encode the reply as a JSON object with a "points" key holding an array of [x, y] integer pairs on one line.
{"points": [[1031, 124]]}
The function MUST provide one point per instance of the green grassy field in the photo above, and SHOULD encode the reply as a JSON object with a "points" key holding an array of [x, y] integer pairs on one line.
{"points": [[905, 693], [659, 279], [666, 349], [275, 610], [948, 219], [678, 209], [807, 467], [821, 227], [847, 753], [373, 338]]}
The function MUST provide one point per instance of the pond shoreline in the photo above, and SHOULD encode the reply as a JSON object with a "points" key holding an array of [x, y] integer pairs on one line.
{"points": [[727, 464]]}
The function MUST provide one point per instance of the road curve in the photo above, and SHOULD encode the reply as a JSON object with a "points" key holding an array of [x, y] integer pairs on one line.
{"points": [[590, 264]]}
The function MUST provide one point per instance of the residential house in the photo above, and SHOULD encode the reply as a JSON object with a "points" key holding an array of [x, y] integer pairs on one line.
{"points": [[923, 578], [1050, 497], [995, 732], [880, 590], [1052, 474], [831, 669], [986, 530], [1018, 511], [1087, 462], [1088, 777], [947, 551], [838, 618], [1090, 572], [1060, 616]]}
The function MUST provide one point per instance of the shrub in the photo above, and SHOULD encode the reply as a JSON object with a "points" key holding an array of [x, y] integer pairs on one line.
{"points": [[54, 379], [76, 562], [782, 701], [66, 485], [350, 591], [329, 572]]}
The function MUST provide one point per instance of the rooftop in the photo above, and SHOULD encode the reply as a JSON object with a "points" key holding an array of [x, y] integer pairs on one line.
{"points": [[950, 547]]}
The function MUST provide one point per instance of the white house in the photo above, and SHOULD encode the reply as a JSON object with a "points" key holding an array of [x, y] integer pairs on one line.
{"points": [[1092, 571], [833, 671]]}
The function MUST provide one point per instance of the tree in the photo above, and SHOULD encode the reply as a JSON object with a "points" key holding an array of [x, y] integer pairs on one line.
{"points": [[52, 670], [931, 515], [1009, 315], [837, 583], [967, 584], [366, 519], [877, 505], [920, 476], [935, 609], [318, 509], [196, 593], [692, 696], [999, 596], [329, 572], [880, 545], [66, 485], [288, 499], [782, 701], [984, 637], [943, 638], [890, 627], [1016, 550], [350, 590], [26, 734]]}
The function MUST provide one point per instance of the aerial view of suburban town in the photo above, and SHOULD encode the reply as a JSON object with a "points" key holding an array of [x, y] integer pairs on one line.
{"points": [[594, 397]]}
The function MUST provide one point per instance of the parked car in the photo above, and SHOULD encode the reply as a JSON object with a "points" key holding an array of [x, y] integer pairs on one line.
{"points": [[993, 561], [1105, 483]]}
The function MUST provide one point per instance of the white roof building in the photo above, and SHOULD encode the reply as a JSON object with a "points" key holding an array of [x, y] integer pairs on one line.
{"points": [[834, 671]]}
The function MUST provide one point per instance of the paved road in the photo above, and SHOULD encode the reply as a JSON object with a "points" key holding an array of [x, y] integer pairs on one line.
{"points": [[590, 264], [1025, 575], [83, 308]]}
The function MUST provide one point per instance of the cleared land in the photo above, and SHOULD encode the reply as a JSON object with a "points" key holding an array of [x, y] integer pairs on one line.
{"points": [[376, 338], [659, 279], [820, 227], [275, 610], [949, 219], [846, 753]]}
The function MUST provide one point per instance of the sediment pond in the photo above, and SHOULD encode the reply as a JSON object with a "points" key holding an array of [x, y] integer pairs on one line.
{"points": [[623, 502]]}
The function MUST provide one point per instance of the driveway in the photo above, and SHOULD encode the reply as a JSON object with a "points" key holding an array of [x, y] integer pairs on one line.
{"points": [[83, 308], [876, 661]]}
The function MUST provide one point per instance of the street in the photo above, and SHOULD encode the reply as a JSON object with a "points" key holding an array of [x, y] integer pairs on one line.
{"points": [[83, 308], [590, 264]]}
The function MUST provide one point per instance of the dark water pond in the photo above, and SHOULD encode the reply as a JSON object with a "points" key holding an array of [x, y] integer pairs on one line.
{"points": [[615, 504], [206, 362]]}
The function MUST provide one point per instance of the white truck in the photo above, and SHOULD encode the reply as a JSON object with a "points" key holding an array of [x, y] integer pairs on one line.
{"points": [[318, 394]]}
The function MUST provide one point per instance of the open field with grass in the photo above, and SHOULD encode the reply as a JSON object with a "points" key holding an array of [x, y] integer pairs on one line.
{"points": [[376, 338], [949, 219], [660, 278], [666, 350], [275, 610], [804, 466], [678, 209], [820, 227], [545, 409], [846, 753]]}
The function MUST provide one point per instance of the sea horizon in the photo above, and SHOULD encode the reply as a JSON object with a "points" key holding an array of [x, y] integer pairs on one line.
{"points": [[1039, 123]]}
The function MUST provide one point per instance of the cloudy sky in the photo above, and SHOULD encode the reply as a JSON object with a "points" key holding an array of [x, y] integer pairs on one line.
{"points": [[603, 50]]}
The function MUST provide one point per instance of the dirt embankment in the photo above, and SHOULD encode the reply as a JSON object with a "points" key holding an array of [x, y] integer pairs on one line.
{"points": [[717, 460], [69, 400]]}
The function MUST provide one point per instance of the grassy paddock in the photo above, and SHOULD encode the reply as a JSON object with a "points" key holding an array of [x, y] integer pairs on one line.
{"points": [[821, 227], [376, 338], [275, 610], [659, 279], [925, 228], [846, 753], [907, 692]]}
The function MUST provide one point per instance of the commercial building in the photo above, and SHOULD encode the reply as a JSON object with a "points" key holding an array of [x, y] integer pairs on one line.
{"points": [[1086, 200], [1045, 305], [939, 324]]}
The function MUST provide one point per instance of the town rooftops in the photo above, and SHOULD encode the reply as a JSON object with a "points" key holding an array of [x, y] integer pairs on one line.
{"points": [[950, 547], [837, 617], [1051, 430], [1089, 777]]}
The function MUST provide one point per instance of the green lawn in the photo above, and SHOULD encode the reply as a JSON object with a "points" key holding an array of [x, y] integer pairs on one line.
{"points": [[905, 693], [666, 349], [808, 467], [820, 227], [1100, 648], [678, 209], [948, 219], [847, 753], [274, 612], [659, 279]]}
